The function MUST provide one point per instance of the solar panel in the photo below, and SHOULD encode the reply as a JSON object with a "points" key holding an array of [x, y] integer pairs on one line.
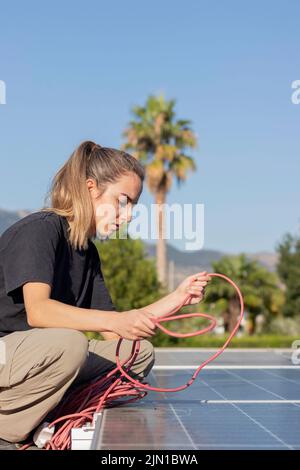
{"points": [[255, 405]]}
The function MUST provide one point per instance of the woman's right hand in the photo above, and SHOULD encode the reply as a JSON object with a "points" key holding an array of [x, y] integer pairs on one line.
{"points": [[134, 324]]}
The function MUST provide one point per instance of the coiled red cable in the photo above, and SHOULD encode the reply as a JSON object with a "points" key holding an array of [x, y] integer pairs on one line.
{"points": [[171, 317], [79, 406]]}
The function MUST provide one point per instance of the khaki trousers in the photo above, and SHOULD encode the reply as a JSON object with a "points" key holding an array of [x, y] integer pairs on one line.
{"points": [[40, 365]]}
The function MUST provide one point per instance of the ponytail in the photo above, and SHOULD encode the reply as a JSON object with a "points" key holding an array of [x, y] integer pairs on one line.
{"points": [[69, 195]]}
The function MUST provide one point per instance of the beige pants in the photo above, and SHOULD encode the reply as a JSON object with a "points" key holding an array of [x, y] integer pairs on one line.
{"points": [[41, 364]]}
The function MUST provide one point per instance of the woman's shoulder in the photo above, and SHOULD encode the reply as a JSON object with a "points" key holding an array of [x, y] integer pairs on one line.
{"points": [[44, 222]]}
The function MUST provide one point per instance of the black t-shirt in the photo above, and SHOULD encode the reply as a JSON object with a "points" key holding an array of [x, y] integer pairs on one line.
{"points": [[36, 248]]}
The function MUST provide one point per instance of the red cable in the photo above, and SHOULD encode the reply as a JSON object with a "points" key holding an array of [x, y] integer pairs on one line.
{"points": [[80, 405], [187, 335]]}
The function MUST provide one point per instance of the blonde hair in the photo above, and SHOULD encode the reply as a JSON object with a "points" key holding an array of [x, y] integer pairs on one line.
{"points": [[69, 195]]}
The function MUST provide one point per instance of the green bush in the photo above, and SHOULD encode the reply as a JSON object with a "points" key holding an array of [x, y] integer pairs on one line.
{"points": [[284, 326], [210, 341]]}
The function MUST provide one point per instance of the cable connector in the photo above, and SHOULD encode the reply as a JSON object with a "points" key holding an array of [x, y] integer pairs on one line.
{"points": [[43, 435]]}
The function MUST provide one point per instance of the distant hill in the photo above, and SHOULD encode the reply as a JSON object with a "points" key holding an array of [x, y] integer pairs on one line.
{"points": [[189, 262], [183, 263], [201, 258], [267, 259]]}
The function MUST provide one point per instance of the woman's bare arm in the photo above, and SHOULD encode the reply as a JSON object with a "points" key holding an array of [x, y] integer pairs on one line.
{"points": [[192, 285], [164, 305], [44, 312], [109, 335]]}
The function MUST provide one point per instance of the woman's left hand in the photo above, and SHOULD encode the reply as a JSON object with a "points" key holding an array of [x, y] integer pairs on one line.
{"points": [[193, 285]]}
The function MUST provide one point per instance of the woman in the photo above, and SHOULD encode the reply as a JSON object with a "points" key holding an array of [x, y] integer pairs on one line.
{"points": [[52, 290]]}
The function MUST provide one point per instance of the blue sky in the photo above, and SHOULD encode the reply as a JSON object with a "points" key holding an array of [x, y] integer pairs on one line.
{"points": [[74, 70]]}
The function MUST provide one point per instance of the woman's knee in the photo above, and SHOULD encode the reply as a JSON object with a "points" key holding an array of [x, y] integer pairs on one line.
{"points": [[149, 354], [144, 361], [147, 349], [71, 346]]}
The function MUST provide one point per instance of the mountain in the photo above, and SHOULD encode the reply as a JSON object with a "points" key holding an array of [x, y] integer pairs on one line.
{"points": [[182, 259], [184, 263], [181, 263], [267, 259]]}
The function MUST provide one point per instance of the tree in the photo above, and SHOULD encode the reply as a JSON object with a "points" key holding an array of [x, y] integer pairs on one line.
{"points": [[259, 287], [129, 276], [160, 142], [288, 269]]}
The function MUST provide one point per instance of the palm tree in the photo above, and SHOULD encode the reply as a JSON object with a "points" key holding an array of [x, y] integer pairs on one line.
{"points": [[259, 287], [160, 142], [288, 269]]}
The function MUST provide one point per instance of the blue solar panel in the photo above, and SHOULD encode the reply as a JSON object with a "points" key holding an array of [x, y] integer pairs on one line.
{"points": [[226, 408]]}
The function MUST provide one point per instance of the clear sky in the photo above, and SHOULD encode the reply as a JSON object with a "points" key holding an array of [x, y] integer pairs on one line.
{"points": [[73, 70]]}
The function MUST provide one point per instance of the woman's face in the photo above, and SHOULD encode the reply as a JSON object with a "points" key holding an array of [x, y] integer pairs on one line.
{"points": [[114, 206]]}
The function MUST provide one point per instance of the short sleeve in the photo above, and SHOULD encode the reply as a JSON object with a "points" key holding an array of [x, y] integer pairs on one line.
{"points": [[101, 299], [30, 255]]}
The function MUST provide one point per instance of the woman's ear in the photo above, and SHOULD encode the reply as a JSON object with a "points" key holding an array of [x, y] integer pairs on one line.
{"points": [[92, 187]]}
